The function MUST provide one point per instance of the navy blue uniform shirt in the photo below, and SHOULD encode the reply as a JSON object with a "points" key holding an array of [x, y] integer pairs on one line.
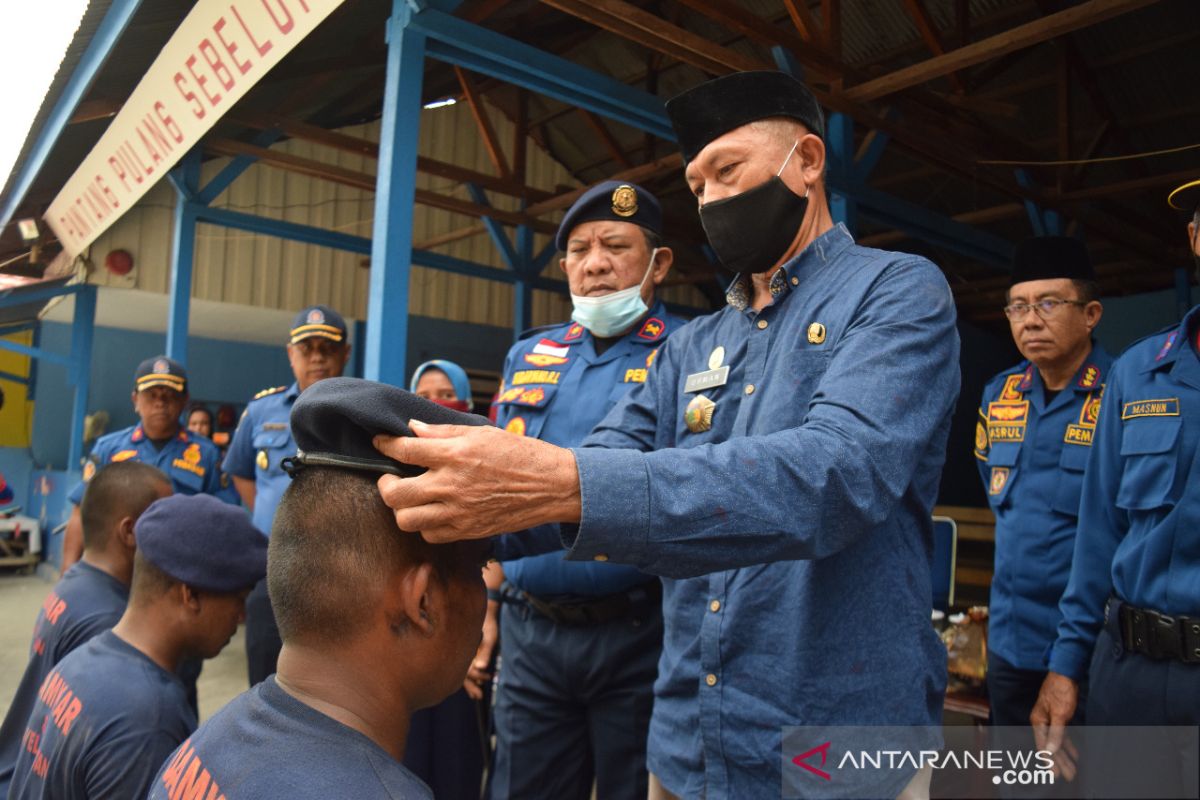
{"points": [[85, 601], [105, 719], [798, 527], [1139, 518], [1031, 456], [262, 440], [191, 461], [556, 388], [267, 745]]}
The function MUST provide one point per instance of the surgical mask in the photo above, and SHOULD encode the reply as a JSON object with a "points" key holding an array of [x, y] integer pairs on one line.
{"points": [[751, 231], [613, 313]]}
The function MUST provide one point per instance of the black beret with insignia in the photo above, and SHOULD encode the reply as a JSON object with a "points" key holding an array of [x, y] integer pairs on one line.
{"points": [[334, 421], [160, 371], [712, 109], [1047, 257], [615, 200]]}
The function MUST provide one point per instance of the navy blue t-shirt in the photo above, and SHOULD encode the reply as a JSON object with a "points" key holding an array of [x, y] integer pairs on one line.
{"points": [[85, 601], [267, 745], [104, 720]]}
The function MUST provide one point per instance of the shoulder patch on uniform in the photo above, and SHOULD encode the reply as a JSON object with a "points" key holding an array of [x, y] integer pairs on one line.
{"points": [[268, 392]]}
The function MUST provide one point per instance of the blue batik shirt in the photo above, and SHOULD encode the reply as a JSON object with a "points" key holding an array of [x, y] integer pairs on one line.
{"points": [[556, 387], [797, 528], [104, 720], [1139, 517], [1031, 454], [86, 601], [267, 745], [262, 440], [191, 461]]}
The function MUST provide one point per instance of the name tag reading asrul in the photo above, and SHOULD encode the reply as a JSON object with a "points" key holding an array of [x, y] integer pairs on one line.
{"points": [[709, 379]]}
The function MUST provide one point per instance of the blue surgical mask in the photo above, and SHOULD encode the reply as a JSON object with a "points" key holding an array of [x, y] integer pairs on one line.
{"points": [[614, 313]]}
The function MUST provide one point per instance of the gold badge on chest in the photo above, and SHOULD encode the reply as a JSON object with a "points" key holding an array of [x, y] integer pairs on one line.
{"points": [[262, 461], [816, 333], [699, 413]]}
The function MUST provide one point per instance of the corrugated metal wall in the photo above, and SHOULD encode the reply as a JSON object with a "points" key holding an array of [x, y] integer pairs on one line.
{"points": [[250, 269]]}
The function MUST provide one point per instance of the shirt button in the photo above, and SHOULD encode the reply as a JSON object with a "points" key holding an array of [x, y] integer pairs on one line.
{"points": [[710, 679], [600, 557], [795, 281], [715, 605], [762, 323], [749, 388]]}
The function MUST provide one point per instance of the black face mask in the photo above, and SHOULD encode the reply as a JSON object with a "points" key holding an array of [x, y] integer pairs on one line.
{"points": [[751, 231]]}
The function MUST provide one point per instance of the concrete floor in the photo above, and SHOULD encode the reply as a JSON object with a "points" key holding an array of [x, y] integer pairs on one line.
{"points": [[223, 678]]}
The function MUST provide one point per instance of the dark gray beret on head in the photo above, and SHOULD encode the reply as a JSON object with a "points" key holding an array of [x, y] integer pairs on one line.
{"points": [[1047, 257], [334, 421], [712, 109], [203, 542]]}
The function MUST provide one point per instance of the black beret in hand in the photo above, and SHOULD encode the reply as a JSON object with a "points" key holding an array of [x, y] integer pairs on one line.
{"points": [[335, 420]]}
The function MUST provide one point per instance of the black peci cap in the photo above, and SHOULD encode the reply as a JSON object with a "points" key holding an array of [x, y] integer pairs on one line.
{"points": [[1047, 257], [712, 109]]}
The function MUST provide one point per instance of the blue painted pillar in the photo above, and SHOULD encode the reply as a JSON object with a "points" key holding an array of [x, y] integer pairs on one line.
{"points": [[186, 179], [82, 329], [839, 138], [395, 190], [526, 269], [179, 293]]}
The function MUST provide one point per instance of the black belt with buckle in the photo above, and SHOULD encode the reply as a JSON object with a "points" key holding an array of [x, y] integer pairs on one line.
{"points": [[582, 612], [1159, 636]]}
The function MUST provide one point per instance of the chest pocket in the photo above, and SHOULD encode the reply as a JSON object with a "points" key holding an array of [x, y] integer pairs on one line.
{"points": [[1149, 450], [1070, 479], [276, 443], [186, 482], [523, 408], [1002, 461]]}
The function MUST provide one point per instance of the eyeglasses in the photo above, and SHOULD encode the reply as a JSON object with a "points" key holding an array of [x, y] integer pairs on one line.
{"points": [[1044, 308], [311, 347]]}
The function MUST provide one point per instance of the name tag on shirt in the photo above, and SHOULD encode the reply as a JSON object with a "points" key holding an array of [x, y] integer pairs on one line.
{"points": [[709, 379]]}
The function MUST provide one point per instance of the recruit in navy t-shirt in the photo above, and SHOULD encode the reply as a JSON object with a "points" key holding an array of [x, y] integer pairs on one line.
{"points": [[104, 721], [267, 745], [85, 601]]}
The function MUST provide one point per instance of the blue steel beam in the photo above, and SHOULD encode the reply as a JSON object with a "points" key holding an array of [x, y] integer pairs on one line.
{"points": [[395, 192], [495, 230], [9, 376], [15, 297], [83, 328], [865, 164], [186, 180], [921, 223], [116, 19], [293, 231], [457, 41], [236, 166], [37, 352], [839, 137]]}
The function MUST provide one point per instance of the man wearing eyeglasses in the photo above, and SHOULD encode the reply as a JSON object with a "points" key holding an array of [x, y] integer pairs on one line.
{"points": [[1131, 610], [1032, 440], [317, 349]]}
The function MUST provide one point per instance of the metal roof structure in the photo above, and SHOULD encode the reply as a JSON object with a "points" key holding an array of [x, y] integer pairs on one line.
{"points": [[944, 114]]}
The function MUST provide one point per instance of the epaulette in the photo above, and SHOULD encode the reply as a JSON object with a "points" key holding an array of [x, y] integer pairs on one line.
{"points": [[268, 392]]}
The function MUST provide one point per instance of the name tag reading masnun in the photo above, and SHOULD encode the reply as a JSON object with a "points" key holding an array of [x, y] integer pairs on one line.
{"points": [[709, 379]]}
